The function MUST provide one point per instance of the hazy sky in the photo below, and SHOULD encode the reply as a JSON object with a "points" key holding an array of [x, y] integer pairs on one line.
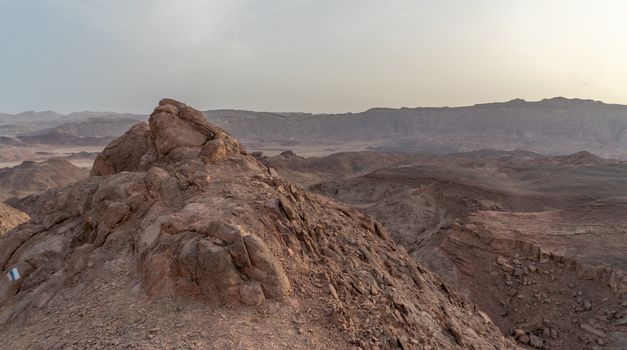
{"points": [[305, 55]]}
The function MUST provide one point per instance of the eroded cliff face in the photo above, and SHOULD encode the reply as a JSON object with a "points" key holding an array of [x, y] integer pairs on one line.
{"points": [[181, 237]]}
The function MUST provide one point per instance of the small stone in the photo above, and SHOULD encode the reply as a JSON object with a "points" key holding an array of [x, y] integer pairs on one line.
{"points": [[587, 305], [251, 294], [501, 260], [536, 341], [553, 333], [273, 172], [334, 292], [622, 321], [519, 333], [484, 316], [455, 332], [524, 339], [593, 331]]}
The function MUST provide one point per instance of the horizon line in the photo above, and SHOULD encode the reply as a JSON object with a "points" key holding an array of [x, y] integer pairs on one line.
{"points": [[514, 100]]}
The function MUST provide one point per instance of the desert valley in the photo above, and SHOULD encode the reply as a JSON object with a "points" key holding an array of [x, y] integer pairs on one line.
{"points": [[496, 226], [313, 175]]}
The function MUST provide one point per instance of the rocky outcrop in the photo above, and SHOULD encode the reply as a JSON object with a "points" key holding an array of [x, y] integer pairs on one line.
{"points": [[10, 218], [174, 132], [177, 212]]}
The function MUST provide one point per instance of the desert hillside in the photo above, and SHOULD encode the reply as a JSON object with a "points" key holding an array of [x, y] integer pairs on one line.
{"points": [[32, 177], [10, 218], [181, 238], [515, 231]]}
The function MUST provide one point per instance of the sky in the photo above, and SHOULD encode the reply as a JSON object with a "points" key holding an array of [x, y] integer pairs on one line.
{"points": [[306, 55]]}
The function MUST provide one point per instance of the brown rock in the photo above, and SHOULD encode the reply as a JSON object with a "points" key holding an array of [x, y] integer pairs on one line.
{"points": [[251, 294], [621, 321], [501, 260], [536, 341], [10, 218], [593, 331], [214, 151], [287, 208], [133, 151], [456, 333]]}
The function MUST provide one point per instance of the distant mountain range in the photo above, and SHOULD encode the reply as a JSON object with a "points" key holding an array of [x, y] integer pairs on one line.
{"points": [[554, 126], [551, 126], [82, 128], [51, 116]]}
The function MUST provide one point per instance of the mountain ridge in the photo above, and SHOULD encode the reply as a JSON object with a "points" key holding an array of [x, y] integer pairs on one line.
{"points": [[95, 113]]}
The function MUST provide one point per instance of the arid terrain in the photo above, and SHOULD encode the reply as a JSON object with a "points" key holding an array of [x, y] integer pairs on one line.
{"points": [[333, 175], [10, 218], [33, 177], [178, 227], [180, 239], [514, 231], [550, 126], [555, 126]]}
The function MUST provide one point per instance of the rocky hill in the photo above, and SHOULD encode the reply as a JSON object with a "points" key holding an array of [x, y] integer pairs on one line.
{"points": [[32, 177], [179, 238], [101, 127], [12, 154]]}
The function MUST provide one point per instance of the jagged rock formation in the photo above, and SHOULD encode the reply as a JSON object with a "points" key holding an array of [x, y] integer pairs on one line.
{"points": [[181, 238], [32, 177], [10, 217]]}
